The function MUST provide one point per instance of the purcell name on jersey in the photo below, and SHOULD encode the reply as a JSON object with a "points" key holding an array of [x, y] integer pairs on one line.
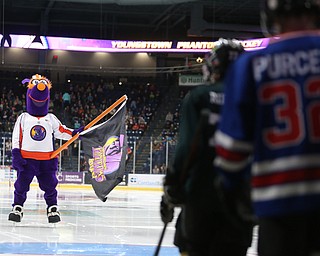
{"points": [[35, 135]]}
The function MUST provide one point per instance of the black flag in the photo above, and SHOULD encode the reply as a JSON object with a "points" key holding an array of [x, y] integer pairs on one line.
{"points": [[105, 151]]}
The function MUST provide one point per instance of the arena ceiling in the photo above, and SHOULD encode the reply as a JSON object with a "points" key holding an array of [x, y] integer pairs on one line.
{"points": [[133, 19]]}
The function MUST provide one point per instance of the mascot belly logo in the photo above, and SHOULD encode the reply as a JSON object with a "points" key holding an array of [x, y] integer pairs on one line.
{"points": [[106, 159], [38, 133]]}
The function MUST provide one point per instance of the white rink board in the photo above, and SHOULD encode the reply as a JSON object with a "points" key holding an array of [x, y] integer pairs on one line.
{"points": [[145, 180]]}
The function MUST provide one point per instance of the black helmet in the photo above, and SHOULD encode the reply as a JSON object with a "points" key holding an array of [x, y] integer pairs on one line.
{"points": [[221, 56], [272, 9]]}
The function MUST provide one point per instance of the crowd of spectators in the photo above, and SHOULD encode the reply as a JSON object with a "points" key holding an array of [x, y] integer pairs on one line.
{"points": [[164, 145], [78, 104]]}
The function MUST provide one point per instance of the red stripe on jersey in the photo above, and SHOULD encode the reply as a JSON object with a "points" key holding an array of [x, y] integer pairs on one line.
{"points": [[20, 136], [63, 130], [285, 177], [231, 155]]}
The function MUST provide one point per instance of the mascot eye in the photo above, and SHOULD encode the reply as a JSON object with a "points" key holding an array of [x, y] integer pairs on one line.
{"points": [[43, 82], [35, 82]]}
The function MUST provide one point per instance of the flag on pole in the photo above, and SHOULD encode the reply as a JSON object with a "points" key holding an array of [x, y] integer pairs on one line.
{"points": [[105, 152]]}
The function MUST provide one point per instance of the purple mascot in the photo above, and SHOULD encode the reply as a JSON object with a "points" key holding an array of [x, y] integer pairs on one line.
{"points": [[33, 139]]}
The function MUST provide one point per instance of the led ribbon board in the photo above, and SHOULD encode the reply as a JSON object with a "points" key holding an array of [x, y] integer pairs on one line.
{"points": [[94, 45]]}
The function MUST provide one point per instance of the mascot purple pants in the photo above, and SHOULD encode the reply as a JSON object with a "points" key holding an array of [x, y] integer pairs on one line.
{"points": [[45, 171]]}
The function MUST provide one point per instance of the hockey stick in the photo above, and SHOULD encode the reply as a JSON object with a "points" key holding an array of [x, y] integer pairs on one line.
{"points": [[93, 122], [156, 253]]}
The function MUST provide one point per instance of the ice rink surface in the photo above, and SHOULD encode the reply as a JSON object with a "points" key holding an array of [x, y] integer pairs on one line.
{"points": [[128, 223]]}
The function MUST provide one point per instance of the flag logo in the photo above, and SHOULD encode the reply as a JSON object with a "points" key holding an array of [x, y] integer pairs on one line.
{"points": [[106, 159]]}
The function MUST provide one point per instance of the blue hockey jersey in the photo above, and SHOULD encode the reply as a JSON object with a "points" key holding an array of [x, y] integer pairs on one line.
{"points": [[271, 118]]}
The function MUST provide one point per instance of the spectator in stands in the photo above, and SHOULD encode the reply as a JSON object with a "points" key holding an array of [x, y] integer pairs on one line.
{"points": [[66, 99], [94, 112], [176, 117], [110, 86], [130, 123], [141, 119], [148, 112], [135, 126], [142, 126], [169, 130], [89, 98], [57, 100], [17, 104], [169, 118], [152, 96], [8, 147], [100, 89], [156, 169], [152, 87], [77, 123], [163, 168], [133, 106], [157, 152]]}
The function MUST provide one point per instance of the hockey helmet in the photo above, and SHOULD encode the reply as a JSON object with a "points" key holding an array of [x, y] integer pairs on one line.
{"points": [[221, 56]]}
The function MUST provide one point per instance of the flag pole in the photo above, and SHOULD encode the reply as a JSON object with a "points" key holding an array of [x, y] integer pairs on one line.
{"points": [[93, 122]]}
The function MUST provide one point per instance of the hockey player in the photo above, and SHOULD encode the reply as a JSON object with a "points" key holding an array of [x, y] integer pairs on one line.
{"points": [[32, 144], [203, 227], [271, 119]]}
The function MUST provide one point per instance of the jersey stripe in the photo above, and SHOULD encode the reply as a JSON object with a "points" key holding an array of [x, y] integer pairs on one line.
{"points": [[286, 191], [286, 177], [36, 155], [64, 130]]}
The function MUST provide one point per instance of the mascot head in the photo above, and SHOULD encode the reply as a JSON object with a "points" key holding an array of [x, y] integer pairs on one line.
{"points": [[38, 95]]}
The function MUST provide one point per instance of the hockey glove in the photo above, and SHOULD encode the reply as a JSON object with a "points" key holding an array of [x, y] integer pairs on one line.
{"points": [[166, 210], [18, 162], [75, 131], [173, 190]]}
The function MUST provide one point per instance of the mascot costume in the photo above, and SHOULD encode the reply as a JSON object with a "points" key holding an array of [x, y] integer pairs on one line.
{"points": [[33, 140]]}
